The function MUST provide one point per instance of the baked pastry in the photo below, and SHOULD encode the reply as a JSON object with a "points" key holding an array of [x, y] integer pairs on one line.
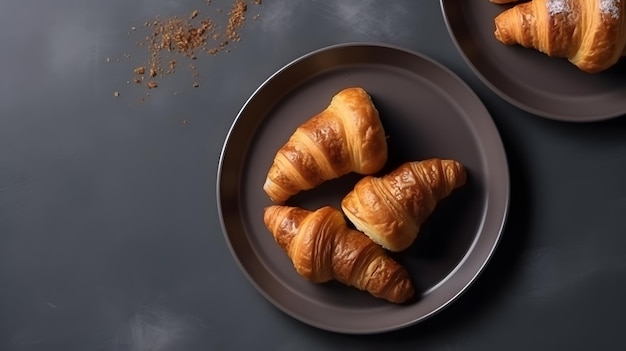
{"points": [[322, 248], [502, 1], [591, 34], [346, 137], [392, 208]]}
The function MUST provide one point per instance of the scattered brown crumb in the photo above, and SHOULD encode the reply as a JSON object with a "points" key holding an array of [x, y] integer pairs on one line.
{"points": [[195, 85], [116, 93], [187, 37], [185, 122], [176, 36], [236, 18]]}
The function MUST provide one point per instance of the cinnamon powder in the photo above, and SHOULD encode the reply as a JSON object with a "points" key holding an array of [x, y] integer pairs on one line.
{"points": [[186, 38], [236, 17]]}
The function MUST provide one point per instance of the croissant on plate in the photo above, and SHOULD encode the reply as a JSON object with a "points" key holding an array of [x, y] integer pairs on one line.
{"points": [[345, 137], [392, 208], [591, 34], [322, 248]]}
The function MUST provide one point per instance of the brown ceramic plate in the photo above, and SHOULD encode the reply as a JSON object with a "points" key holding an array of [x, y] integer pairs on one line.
{"points": [[545, 86], [426, 112]]}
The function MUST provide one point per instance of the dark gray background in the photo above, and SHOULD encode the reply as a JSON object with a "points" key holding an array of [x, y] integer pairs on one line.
{"points": [[109, 233]]}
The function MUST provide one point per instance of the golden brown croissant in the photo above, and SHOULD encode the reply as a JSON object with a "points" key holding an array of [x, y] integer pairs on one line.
{"points": [[322, 248], [392, 208], [591, 34], [346, 137]]}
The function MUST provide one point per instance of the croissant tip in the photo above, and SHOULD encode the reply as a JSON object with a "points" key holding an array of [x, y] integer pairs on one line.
{"points": [[273, 208], [269, 213], [270, 190], [269, 208], [458, 172]]}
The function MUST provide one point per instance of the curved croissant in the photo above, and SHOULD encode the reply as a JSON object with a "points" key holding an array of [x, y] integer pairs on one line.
{"points": [[322, 248], [392, 208], [591, 34], [346, 137]]}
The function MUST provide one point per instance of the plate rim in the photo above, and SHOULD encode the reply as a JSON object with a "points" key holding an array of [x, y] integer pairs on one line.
{"points": [[502, 219], [510, 99]]}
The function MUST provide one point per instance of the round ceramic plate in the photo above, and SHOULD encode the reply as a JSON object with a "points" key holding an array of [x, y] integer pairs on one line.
{"points": [[545, 86], [426, 112]]}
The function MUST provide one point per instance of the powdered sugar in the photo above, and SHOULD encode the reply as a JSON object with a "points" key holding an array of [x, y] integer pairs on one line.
{"points": [[556, 7], [610, 7]]}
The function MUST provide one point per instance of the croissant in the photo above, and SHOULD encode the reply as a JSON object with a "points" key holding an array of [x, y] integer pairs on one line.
{"points": [[591, 34], [392, 208], [345, 137], [323, 248]]}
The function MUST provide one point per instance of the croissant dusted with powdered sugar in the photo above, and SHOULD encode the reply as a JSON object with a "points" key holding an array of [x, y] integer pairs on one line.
{"points": [[591, 34], [345, 137], [392, 208], [322, 248]]}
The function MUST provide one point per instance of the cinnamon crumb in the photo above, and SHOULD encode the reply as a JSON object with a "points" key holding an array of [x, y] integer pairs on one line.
{"points": [[187, 36], [236, 18]]}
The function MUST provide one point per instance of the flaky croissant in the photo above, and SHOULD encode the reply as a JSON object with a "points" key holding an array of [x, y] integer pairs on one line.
{"points": [[591, 34], [392, 208], [322, 248], [346, 137]]}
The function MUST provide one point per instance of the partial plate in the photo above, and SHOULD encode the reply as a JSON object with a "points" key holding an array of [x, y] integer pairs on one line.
{"points": [[548, 87], [426, 111]]}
